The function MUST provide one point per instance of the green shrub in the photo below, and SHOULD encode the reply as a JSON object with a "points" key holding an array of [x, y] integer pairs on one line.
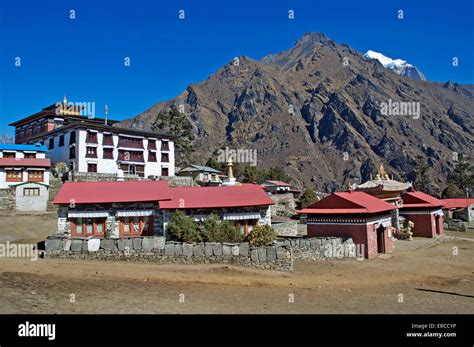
{"points": [[225, 231], [213, 229], [183, 228], [261, 235], [230, 233]]}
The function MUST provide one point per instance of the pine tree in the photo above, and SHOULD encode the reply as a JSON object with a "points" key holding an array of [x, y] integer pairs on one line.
{"points": [[462, 176], [423, 179], [308, 198], [177, 124]]}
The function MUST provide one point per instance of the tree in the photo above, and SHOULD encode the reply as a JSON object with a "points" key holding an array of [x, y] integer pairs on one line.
{"points": [[215, 164], [276, 173], [423, 179], [183, 228], [452, 191], [261, 235], [462, 176], [177, 124], [308, 198], [245, 172], [252, 174]]}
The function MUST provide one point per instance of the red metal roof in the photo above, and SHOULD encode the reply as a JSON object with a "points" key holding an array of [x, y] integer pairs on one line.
{"points": [[216, 197], [24, 162], [420, 199], [109, 192], [279, 183], [347, 203], [457, 203]]}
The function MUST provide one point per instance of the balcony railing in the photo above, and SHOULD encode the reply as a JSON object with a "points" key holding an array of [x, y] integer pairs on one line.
{"points": [[130, 143], [131, 156]]}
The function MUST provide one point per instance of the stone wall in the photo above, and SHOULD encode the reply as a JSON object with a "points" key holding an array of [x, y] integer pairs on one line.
{"points": [[174, 181], [7, 201], [99, 177], [285, 204], [178, 181], [279, 256], [285, 228]]}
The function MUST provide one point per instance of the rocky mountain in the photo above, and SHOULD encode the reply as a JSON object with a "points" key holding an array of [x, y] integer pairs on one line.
{"points": [[326, 114], [399, 66]]}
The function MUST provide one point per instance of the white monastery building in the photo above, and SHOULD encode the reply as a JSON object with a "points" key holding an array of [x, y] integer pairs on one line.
{"points": [[90, 144]]}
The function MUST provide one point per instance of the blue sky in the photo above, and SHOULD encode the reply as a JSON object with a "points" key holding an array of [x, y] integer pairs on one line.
{"points": [[84, 57]]}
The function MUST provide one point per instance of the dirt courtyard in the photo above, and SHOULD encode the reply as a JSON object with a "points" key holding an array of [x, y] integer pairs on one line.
{"points": [[421, 276]]}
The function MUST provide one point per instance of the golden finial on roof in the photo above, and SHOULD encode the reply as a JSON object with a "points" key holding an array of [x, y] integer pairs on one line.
{"points": [[382, 174], [230, 174]]}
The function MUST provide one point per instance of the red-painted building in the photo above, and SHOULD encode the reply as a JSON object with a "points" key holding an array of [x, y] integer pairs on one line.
{"points": [[245, 205], [144, 208], [425, 212], [364, 218]]}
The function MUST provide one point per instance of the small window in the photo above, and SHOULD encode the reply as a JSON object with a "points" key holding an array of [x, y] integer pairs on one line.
{"points": [[91, 167], [51, 143], [61, 141], [91, 152], [164, 172], [72, 137], [91, 137], [151, 156], [165, 145], [8, 154], [72, 152], [35, 176], [165, 157], [31, 192], [108, 153], [126, 225], [107, 140], [90, 226], [79, 225], [30, 155], [151, 144], [14, 175]]}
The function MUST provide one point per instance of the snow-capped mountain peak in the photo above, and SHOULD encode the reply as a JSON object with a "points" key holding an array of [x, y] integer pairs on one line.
{"points": [[399, 66]]}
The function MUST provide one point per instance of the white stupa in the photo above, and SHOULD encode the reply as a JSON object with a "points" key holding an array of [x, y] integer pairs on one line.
{"points": [[120, 175], [230, 180]]}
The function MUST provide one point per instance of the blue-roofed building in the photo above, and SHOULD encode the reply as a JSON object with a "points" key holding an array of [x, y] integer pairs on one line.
{"points": [[24, 178], [22, 148]]}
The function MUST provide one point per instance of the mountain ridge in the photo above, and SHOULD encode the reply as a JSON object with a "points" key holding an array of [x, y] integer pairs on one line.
{"points": [[314, 110]]}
